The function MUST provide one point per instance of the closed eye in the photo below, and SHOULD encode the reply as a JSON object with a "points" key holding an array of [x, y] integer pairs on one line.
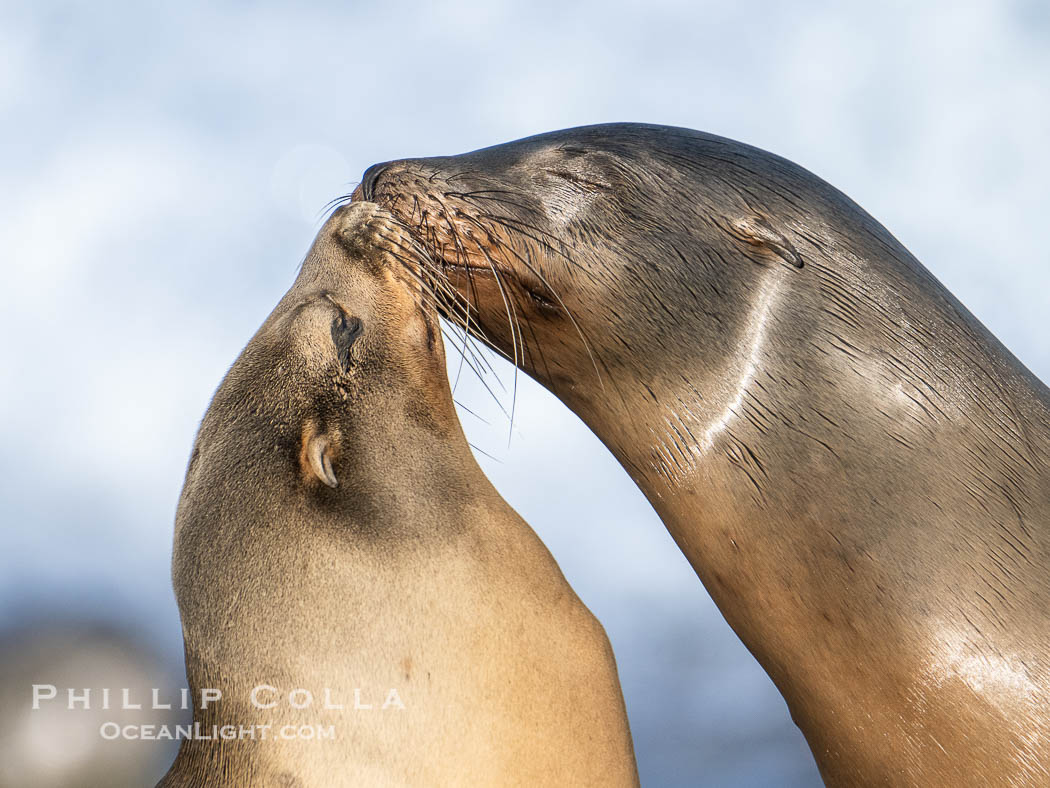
{"points": [[576, 180], [345, 331]]}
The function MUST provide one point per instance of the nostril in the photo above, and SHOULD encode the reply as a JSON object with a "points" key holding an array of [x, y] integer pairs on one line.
{"points": [[369, 179]]}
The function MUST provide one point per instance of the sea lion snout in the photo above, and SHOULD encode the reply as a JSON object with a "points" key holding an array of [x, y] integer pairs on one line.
{"points": [[366, 189], [357, 225], [378, 177]]}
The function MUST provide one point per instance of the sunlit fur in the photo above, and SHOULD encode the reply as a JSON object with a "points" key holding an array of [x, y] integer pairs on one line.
{"points": [[856, 468], [336, 534]]}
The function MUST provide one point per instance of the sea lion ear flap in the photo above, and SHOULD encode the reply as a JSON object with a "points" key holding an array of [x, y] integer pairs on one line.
{"points": [[315, 457], [757, 232]]}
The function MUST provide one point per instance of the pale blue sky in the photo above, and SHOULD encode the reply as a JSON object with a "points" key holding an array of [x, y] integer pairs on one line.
{"points": [[164, 168]]}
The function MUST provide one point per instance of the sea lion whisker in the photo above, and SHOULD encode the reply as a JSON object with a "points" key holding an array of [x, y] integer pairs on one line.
{"points": [[478, 358], [458, 175], [468, 334], [446, 302], [470, 355], [477, 363], [480, 191], [459, 369], [414, 248], [466, 340], [461, 256], [474, 197], [434, 280], [535, 342], [438, 300], [476, 331], [477, 416], [457, 308], [426, 284], [336, 202], [482, 451], [492, 393], [515, 332], [487, 344], [508, 222], [540, 236], [466, 337], [476, 335], [568, 312], [463, 356], [449, 302], [495, 349], [535, 272]]}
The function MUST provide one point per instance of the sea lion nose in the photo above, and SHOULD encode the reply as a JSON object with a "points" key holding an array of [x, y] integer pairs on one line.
{"points": [[368, 180]]}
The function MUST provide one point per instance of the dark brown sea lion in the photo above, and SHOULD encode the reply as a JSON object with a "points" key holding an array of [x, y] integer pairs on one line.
{"points": [[858, 471], [336, 544]]}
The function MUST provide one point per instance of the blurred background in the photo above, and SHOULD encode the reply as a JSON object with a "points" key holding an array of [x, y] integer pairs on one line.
{"points": [[164, 167]]}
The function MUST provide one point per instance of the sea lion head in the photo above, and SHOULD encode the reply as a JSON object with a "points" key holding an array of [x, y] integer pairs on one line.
{"points": [[332, 434], [574, 250], [346, 374]]}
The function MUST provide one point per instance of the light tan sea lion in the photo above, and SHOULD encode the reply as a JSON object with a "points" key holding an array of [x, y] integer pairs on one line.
{"points": [[858, 471], [335, 536]]}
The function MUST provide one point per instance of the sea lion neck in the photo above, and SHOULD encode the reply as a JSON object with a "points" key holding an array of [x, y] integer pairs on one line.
{"points": [[394, 457]]}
